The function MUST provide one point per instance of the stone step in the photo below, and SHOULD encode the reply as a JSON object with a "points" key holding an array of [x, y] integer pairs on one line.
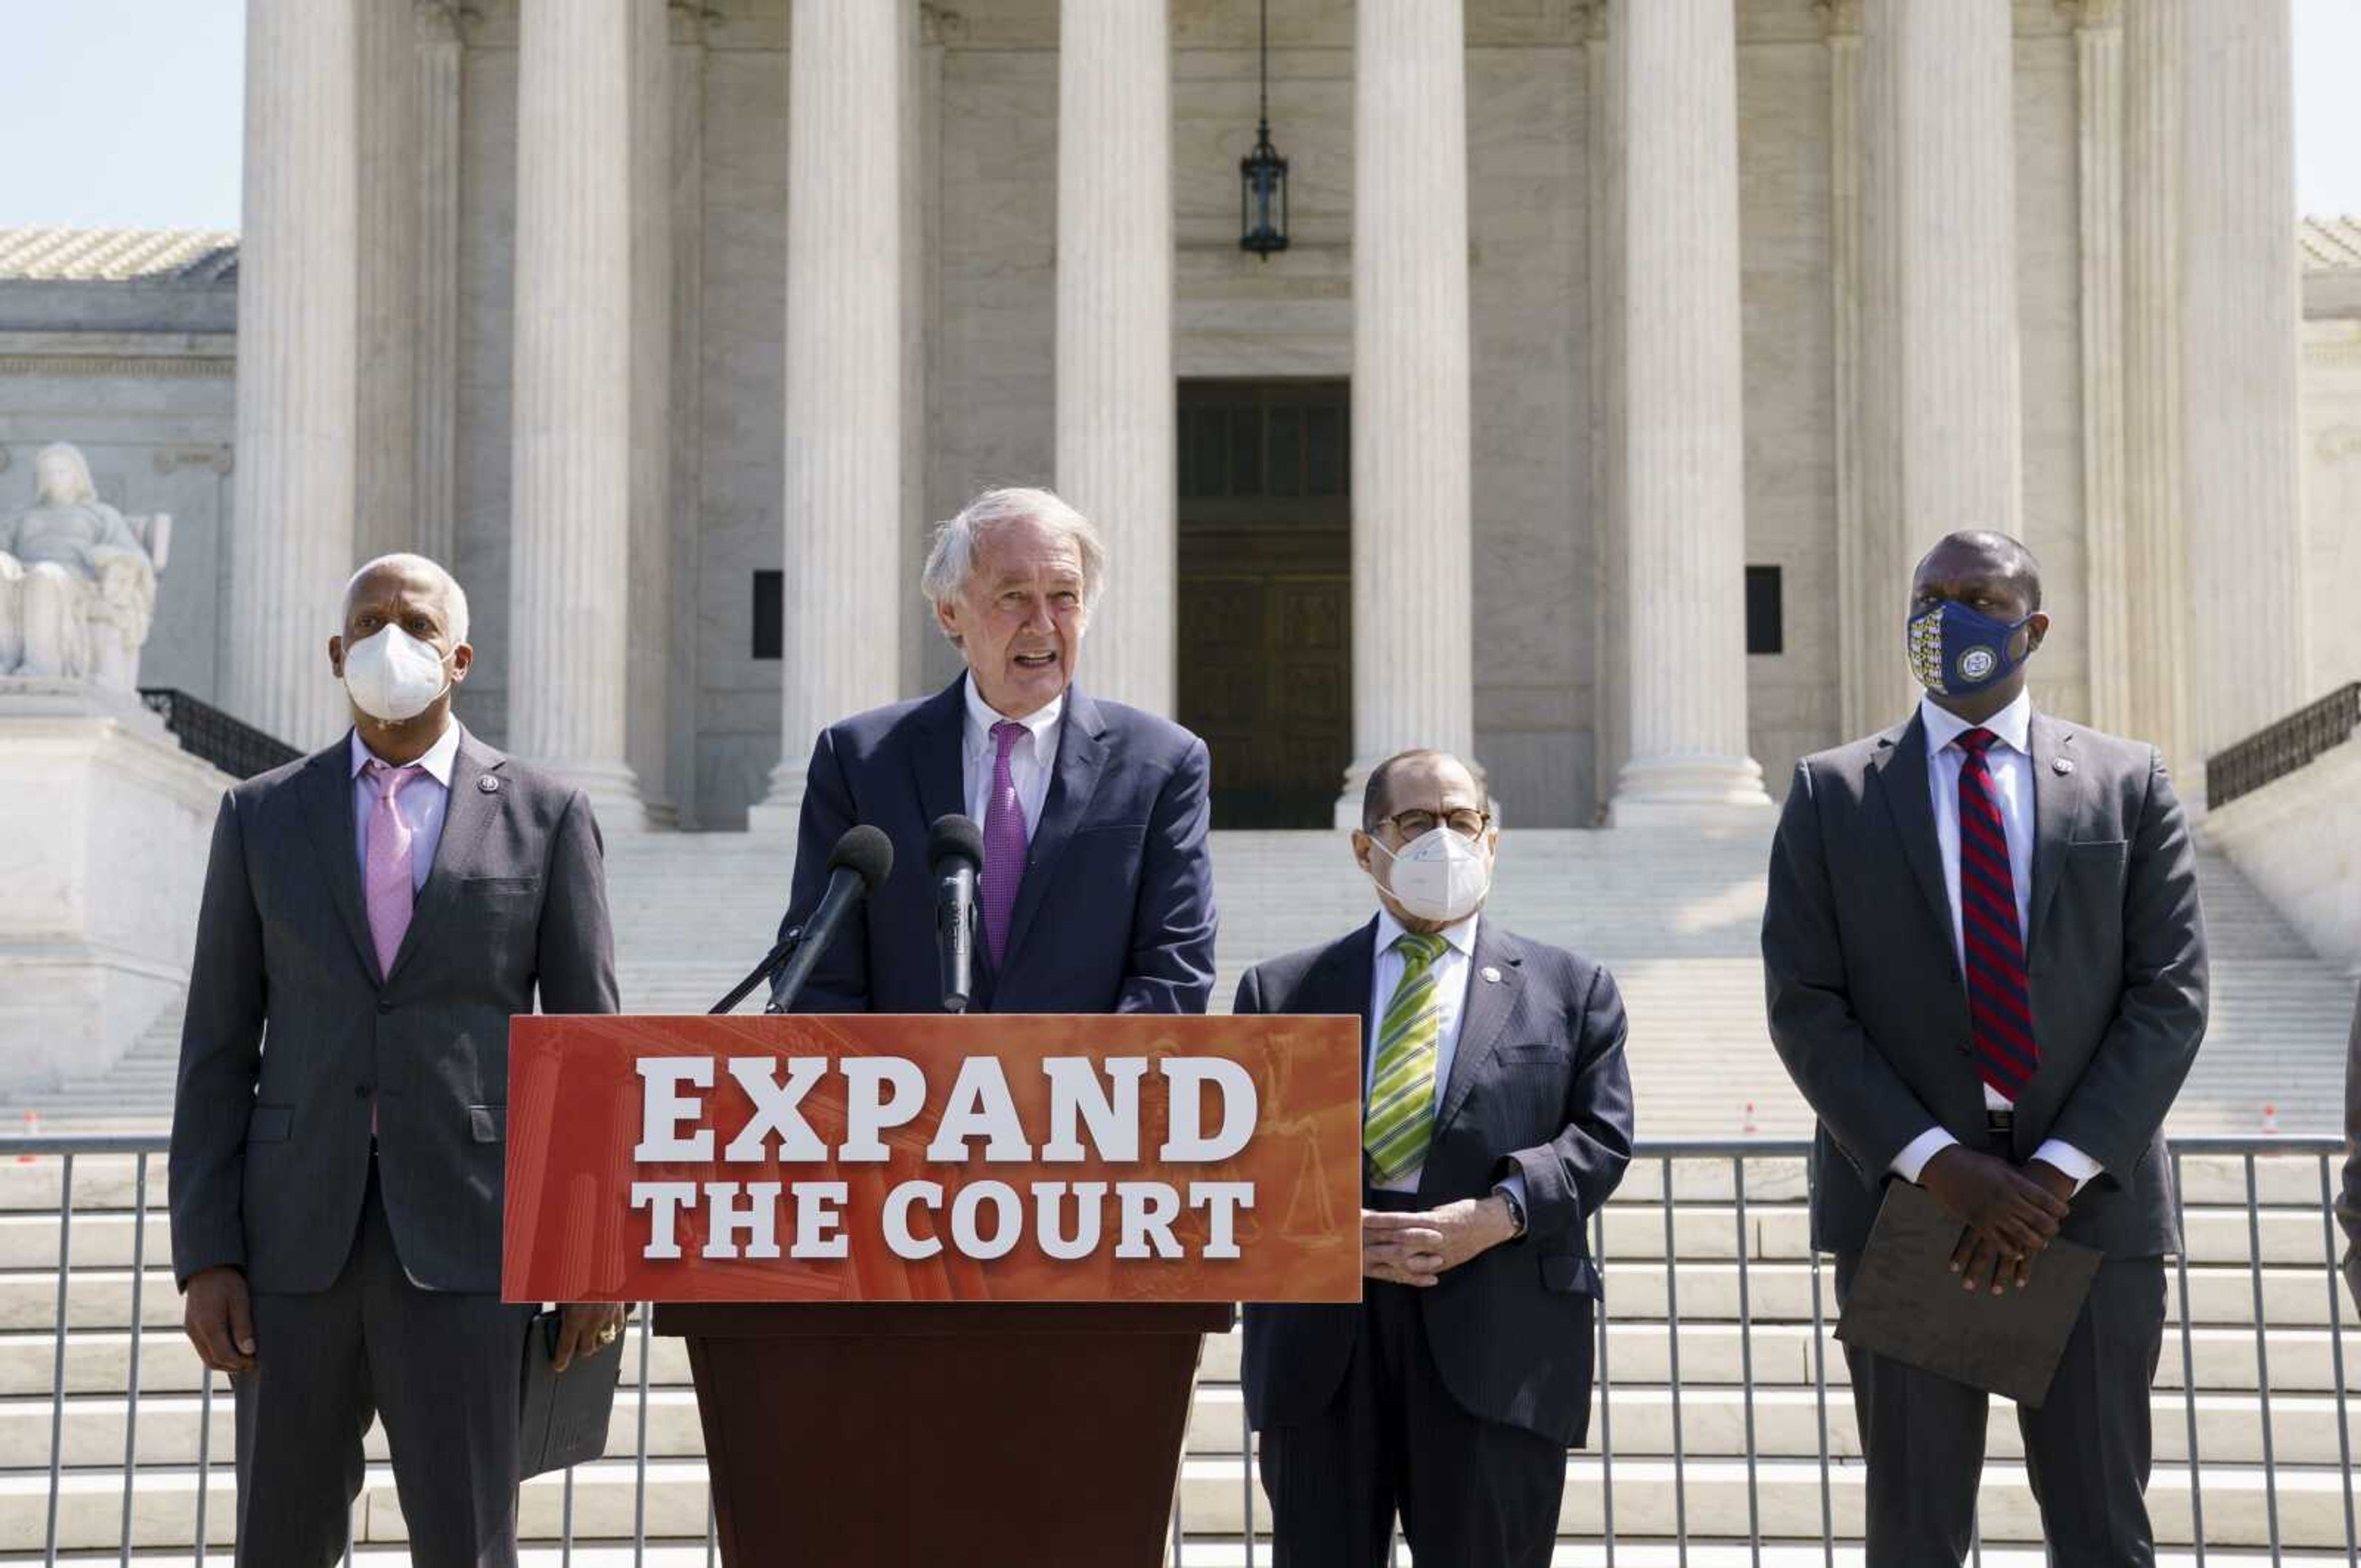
{"points": [[1713, 1425], [1231, 1552], [2303, 1360], [1724, 1498]]}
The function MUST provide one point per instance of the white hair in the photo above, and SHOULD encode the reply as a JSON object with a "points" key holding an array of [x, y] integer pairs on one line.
{"points": [[950, 559], [455, 598]]}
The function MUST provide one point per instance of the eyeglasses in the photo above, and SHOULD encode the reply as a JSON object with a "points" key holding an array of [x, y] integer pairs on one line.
{"points": [[1467, 822]]}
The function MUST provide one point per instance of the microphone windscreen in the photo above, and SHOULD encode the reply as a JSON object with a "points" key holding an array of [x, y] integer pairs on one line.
{"points": [[865, 852], [955, 836]]}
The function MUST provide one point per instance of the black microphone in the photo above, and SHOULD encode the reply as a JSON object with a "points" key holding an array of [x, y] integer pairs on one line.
{"points": [[955, 854], [859, 863]]}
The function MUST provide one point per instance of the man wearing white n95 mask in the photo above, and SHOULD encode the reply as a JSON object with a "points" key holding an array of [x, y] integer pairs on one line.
{"points": [[373, 916], [1498, 1118]]}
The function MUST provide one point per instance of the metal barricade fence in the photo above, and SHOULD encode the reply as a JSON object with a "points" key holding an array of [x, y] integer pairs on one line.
{"points": [[1661, 1173]]}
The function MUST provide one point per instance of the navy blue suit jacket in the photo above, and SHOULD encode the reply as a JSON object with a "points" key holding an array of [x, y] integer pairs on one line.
{"points": [[1115, 912], [1539, 1086]]}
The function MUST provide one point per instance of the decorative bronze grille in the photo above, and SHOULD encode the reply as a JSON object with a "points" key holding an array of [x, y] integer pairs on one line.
{"points": [[2274, 752]]}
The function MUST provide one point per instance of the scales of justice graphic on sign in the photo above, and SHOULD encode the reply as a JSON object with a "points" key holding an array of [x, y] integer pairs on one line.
{"points": [[861, 1158]]}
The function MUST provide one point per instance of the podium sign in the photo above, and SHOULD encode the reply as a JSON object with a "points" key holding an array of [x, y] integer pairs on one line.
{"points": [[870, 1158]]}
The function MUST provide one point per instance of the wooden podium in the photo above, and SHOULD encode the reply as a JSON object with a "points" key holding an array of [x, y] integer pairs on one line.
{"points": [[954, 1328], [953, 1434]]}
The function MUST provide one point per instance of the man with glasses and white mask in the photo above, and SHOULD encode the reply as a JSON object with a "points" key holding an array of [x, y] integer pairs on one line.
{"points": [[1496, 1121], [373, 915]]}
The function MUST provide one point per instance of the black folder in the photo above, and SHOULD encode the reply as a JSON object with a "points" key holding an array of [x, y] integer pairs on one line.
{"points": [[1906, 1302], [567, 1413]]}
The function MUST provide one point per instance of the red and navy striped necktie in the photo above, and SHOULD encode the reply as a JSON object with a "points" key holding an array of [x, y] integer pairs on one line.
{"points": [[2000, 999]]}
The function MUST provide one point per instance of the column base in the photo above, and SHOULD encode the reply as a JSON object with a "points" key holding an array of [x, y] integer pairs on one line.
{"points": [[1689, 790], [612, 788], [780, 812]]}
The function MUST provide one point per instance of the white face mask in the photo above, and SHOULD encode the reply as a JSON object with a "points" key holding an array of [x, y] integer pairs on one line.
{"points": [[392, 675], [1439, 875]]}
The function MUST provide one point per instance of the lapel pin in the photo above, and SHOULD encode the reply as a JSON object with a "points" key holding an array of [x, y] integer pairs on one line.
{"points": [[488, 784], [1491, 975], [2061, 766]]}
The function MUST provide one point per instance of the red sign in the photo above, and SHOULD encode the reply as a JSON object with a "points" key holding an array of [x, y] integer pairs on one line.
{"points": [[855, 1157]]}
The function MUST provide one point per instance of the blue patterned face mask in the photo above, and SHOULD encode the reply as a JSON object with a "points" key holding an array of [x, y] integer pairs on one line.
{"points": [[1957, 652]]}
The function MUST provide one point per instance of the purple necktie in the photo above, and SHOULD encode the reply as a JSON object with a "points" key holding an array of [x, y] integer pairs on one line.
{"points": [[2000, 996], [1004, 843], [390, 889]]}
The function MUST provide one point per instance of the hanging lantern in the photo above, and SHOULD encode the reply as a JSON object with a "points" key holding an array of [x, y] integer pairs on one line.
{"points": [[1262, 175]]}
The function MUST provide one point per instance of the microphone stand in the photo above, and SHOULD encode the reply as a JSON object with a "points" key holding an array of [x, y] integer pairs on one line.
{"points": [[772, 962]]}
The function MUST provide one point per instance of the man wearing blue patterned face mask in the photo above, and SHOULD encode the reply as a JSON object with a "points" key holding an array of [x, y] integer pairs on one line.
{"points": [[1986, 971], [1498, 1119]]}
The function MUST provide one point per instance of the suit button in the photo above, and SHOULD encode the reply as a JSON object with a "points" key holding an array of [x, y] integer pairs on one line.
{"points": [[384, 1004], [360, 1090]]}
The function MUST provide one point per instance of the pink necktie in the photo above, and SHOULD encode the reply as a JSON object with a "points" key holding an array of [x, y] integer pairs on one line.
{"points": [[389, 890], [1004, 844]]}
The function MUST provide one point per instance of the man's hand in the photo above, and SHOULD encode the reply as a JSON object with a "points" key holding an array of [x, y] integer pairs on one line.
{"points": [[2011, 1214], [587, 1327], [218, 1317], [1418, 1248]]}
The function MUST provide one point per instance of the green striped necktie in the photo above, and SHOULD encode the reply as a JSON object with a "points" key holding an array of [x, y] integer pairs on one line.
{"points": [[1402, 1092]]}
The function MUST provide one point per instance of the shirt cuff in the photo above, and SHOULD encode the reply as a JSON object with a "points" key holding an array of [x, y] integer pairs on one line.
{"points": [[2070, 1161], [1919, 1150], [1513, 1184]]}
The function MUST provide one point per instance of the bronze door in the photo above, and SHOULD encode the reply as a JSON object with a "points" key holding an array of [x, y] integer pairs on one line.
{"points": [[1266, 539]]}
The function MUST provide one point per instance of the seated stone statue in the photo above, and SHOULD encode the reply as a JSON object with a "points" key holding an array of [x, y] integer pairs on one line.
{"points": [[77, 583]]}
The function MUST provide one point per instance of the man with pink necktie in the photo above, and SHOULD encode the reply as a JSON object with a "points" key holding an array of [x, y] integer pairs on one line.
{"points": [[373, 916], [1097, 892]]}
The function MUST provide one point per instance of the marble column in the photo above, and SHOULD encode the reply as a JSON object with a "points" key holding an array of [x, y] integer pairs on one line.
{"points": [[1605, 171], [686, 489], [2239, 427], [437, 483], [1115, 416], [570, 591], [386, 506], [1684, 531], [1863, 618], [654, 529], [844, 407], [2099, 114], [1939, 414], [297, 370], [1413, 680], [2156, 540]]}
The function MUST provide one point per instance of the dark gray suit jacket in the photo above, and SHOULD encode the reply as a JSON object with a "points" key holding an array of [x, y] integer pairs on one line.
{"points": [[1869, 1012], [293, 1035], [1539, 1086]]}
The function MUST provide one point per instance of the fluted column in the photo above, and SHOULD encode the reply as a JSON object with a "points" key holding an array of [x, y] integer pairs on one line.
{"points": [[436, 485], [1115, 416], [843, 493], [2099, 53], [298, 335], [2238, 426], [655, 544], [569, 598], [1863, 610], [1939, 410], [386, 505], [2156, 540], [1683, 482], [1413, 681]]}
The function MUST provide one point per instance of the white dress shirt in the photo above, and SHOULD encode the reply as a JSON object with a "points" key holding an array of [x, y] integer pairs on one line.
{"points": [[1451, 971], [2010, 763], [1031, 763], [422, 802]]}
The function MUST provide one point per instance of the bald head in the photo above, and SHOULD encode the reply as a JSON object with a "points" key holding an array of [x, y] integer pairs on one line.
{"points": [[1984, 555], [402, 576]]}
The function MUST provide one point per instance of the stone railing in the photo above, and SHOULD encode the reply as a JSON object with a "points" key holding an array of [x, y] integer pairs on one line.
{"points": [[206, 732]]}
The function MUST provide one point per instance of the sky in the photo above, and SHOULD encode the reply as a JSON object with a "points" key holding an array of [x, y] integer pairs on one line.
{"points": [[127, 113]]}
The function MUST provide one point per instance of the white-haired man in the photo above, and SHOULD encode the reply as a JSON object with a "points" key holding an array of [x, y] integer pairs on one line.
{"points": [[1097, 893], [373, 916]]}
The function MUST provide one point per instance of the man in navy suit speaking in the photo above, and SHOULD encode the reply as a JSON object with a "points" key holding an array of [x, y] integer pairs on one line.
{"points": [[1097, 886]]}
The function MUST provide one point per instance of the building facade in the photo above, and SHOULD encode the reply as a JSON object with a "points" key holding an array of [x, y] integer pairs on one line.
{"points": [[1622, 358]]}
